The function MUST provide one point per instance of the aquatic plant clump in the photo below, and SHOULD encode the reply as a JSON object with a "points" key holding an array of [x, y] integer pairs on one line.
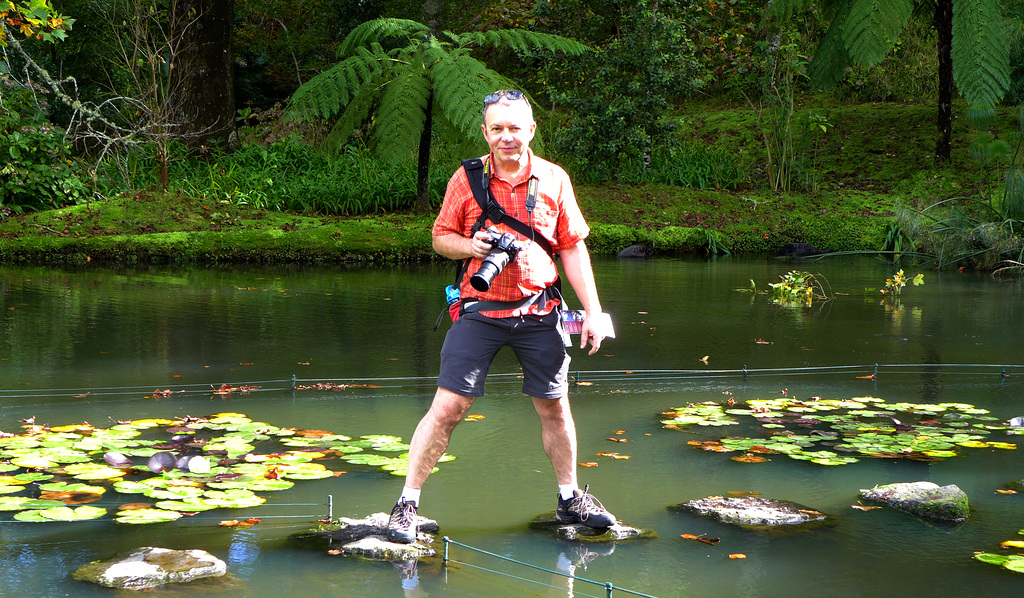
{"points": [[842, 431], [176, 467]]}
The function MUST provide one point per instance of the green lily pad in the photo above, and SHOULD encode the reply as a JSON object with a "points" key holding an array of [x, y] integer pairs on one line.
{"points": [[18, 503], [192, 505], [233, 499], [146, 516], [72, 487], [61, 514]]}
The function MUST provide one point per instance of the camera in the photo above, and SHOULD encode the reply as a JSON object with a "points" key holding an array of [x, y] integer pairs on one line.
{"points": [[504, 248]]}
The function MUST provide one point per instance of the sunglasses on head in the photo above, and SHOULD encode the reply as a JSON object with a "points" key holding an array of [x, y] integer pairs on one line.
{"points": [[508, 94]]}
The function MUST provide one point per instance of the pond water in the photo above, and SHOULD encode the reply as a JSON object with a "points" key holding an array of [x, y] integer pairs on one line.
{"points": [[95, 344]]}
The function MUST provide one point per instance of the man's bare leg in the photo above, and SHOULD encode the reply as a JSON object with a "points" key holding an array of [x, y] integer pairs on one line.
{"points": [[558, 433]]}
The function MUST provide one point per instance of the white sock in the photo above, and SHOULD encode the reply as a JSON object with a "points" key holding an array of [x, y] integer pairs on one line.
{"points": [[410, 495], [566, 490]]}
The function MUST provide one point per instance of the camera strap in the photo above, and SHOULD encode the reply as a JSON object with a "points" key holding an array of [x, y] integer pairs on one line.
{"points": [[491, 210]]}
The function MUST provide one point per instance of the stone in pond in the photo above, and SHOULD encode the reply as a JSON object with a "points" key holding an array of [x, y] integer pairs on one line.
{"points": [[925, 500], [580, 532], [150, 567], [752, 511], [367, 538]]}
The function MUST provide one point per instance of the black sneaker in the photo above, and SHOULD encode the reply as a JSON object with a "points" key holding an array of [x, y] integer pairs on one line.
{"points": [[402, 524], [583, 508]]}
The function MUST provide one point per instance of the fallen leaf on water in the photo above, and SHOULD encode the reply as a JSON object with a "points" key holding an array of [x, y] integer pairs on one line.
{"points": [[861, 507], [237, 523], [620, 456], [1005, 491], [868, 377], [335, 551], [737, 555], [620, 432], [584, 383], [701, 538], [472, 417], [589, 464], [618, 439], [246, 363], [749, 458], [704, 359]]}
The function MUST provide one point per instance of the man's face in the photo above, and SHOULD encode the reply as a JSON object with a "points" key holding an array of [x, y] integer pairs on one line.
{"points": [[508, 128]]}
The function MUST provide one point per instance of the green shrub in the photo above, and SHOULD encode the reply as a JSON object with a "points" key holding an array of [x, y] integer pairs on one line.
{"points": [[36, 166]]}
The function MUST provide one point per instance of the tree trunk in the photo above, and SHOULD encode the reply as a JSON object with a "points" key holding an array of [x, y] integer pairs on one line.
{"points": [[944, 28], [432, 13], [202, 70], [423, 161]]}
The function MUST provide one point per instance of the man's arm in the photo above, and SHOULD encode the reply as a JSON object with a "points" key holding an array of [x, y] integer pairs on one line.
{"points": [[457, 247], [576, 262]]}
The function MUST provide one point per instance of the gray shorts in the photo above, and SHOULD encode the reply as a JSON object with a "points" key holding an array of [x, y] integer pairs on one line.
{"points": [[474, 339]]}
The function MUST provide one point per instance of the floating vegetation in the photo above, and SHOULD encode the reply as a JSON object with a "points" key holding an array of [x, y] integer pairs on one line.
{"points": [[179, 466], [1013, 562], [842, 431]]}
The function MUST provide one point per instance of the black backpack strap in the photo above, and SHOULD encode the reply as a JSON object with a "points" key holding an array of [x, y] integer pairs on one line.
{"points": [[492, 210]]}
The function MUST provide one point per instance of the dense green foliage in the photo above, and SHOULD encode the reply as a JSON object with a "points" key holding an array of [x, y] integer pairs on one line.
{"points": [[687, 125]]}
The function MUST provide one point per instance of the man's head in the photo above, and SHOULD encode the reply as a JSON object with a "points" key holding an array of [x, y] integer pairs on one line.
{"points": [[508, 127]]}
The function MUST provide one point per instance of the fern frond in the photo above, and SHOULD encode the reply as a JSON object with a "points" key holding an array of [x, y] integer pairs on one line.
{"points": [[402, 113], [980, 51], [522, 41], [460, 84], [376, 30], [872, 27], [329, 92], [356, 112], [831, 58]]}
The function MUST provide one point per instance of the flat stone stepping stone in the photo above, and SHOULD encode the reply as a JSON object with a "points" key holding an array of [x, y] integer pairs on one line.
{"points": [[368, 538], [580, 532], [752, 511]]}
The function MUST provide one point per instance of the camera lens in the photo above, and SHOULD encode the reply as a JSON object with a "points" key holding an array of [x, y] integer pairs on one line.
{"points": [[491, 267]]}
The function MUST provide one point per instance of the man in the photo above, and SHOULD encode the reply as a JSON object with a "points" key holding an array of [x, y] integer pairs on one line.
{"points": [[519, 309]]}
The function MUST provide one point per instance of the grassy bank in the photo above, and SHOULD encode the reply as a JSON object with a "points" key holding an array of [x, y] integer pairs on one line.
{"points": [[855, 170]]}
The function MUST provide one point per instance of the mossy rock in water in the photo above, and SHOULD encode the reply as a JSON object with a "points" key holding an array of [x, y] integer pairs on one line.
{"points": [[367, 538], [150, 567], [1017, 485], [753, 511], [926, 500], [580, 532]]}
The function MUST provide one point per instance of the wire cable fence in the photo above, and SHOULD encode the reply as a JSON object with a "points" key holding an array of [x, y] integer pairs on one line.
{"points": [[608, 587], [872, 371]]}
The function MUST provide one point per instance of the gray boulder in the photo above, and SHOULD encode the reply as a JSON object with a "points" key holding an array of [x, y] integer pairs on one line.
{"points": [[636, 252], [925, 500], [752, 511], [150, 567], [368, 538], [582, 533]]}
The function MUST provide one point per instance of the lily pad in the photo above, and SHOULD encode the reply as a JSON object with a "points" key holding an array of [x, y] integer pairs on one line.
{"points": [[146, 516], [61, 513]]}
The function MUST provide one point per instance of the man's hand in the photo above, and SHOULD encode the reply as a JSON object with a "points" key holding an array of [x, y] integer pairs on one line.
{"points": [[592, 333], [480, 244]]}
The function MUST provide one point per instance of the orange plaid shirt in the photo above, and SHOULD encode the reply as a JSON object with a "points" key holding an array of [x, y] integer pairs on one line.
{"points": [[557, 216]]}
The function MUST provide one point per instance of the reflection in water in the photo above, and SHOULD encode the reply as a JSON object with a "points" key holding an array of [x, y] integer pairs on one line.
{"points": [[576, 557]]}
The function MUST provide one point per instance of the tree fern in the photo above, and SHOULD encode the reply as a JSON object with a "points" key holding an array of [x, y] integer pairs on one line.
{"points": [[872, 27], [980, 59], [831, 59], [388, 92]]}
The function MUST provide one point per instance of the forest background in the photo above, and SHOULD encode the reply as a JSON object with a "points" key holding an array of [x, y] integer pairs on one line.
{"points": [[211, 131]]}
